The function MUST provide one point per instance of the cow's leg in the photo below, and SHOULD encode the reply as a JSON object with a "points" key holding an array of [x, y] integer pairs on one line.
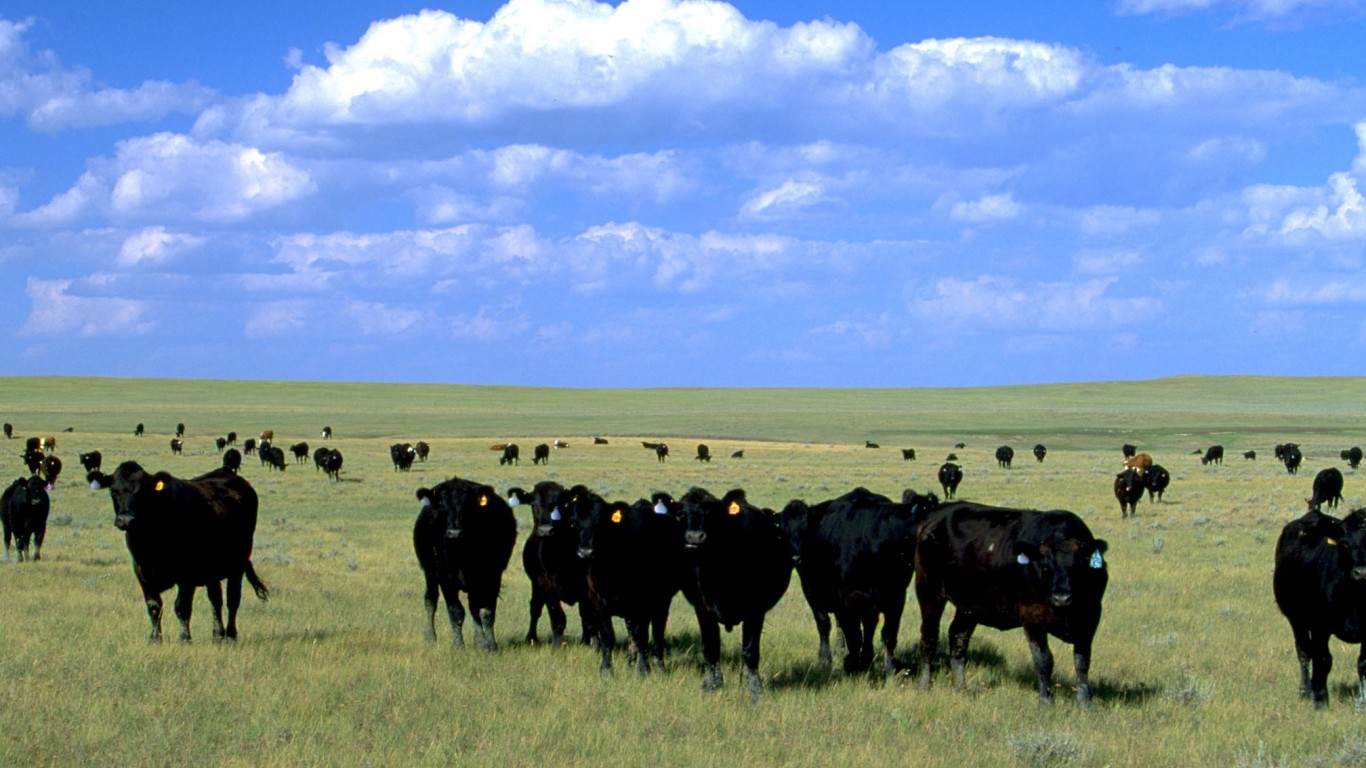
{"points": [[558, 622], [455, 610], [38, 543], [534, 609], [588, 625], [607, 639], [869, 629], [750, 634], [1043, 661], [822, 618], [1323, 664], [21, 544], [429, 598], [710, 631], [153, 601], [215, 592], [960, 634], [487, 614], [1302, 646], [234, 603], [184, 605], [1361, 676], [658, 623], [931, 612], [891, 627], [640, 636], [1081, 660], [853, 636]]}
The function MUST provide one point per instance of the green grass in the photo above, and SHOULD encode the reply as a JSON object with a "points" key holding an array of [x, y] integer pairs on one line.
{"points": [[1193, 663]]}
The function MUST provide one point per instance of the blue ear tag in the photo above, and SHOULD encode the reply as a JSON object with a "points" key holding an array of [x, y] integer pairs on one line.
{"points": [[1022, 559], [1096, 561], [555, 514], [660, 509]]}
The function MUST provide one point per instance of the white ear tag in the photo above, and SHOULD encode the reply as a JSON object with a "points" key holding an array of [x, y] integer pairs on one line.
{"points": [[1096, 561], [513, 501], [426, 502], [1022, 559], [95, 485], [660, 509], [555, 514]]}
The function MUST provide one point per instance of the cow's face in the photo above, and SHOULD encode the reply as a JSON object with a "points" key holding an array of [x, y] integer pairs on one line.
{"points": [[706, 516], [1353, 545], [794, 521], [467, 506], [1063, 570], [134, 492], [602, 521]]}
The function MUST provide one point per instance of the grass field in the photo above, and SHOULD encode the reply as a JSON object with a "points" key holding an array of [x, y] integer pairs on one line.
{"points": [[1193, 664]]}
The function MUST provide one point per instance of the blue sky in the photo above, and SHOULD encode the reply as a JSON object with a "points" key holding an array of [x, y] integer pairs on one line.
{"points": [[683, 193]]}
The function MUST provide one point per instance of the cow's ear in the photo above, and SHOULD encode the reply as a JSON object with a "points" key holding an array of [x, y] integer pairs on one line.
{"points": [[424, 495], [98, 480], [1025, 552]]}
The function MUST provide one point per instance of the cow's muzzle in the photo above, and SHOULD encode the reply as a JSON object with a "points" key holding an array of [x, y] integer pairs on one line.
{"points": [[122, 522], [694, 538], [586, 553], [1062, 599], [1359, 573], [453, 533]]}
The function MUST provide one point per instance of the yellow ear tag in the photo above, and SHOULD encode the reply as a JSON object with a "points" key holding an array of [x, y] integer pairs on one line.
{"points": [[735, 507], [616, 516], [1331, 542], [483, 501], [161, 485]]}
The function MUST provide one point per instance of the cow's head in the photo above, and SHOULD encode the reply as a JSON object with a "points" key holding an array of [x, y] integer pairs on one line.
{"points": [[1061, 559], [1353, 544], [467, 505], [136, 494], [601, 521], [705, 515]]}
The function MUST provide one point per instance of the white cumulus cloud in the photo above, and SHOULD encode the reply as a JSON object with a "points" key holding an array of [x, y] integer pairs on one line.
{"points": [[55, 311]]}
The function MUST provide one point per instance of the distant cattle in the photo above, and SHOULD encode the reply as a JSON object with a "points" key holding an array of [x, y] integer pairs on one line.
{"points": [[1128, 450], [300, 451], [319, 455], [510, 455], [177, 445], [1319, 568], [1139, 461], [1004, 455], [558, 444], [232, 438], [1007, 568], [220, 443], [1156, 479], [737, 566], [50, 468], [463, 538], [908, 454], [950, 475], [180, 429], [249, 446], [1291, 456], [49, 445], [138, 430], [634, 557], [1040, 451], [402, 456], [1327, 488], [960, 445], [662, 452], [327, 433], [91, 460], [33, 459], [186, 534], [1129, 488], [855, 556], [870, 444], [599, 441], [740, 454], [1213, 455], [951, 457], [650, 446], [1352, 456], [1250, 455], [540, 454], [9, 430], [550, 559], [332, 464], [703, 452], [24, 508], [276, 459], [232, 460], [422, 450], [266, 435]]}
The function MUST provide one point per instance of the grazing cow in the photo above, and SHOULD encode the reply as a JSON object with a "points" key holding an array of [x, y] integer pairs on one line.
{"points": [[1352, 456], [249, 446], [1327, 488], [908, 454], [1128, 450], [1250, 455], [1156, 479], [402, 455], [49, 445], [422, 449], [1004, 455], [266, 436], [634, 557], [300, 451], [319, 457], [327, 433], [91, 461], [274, 458], [510, 455], [33, 445], [1129, 488], [1008, 568], [540, 454], [855, 555], [1040, 451], [960, 445], [186, 534], [220, 443], [177, 445], [1213, 455], [740, 454], [23, 512], [1291, 457], [649, 446], [950, 475], [332, 464], [232, 438], [870, 444], [1139, 461], [661, 452], [551, 560], [180, 429], [9, 430], [703, 453], [951, 457], [599, 441], [463, 538], [1317, 581], [138, 430], [232, 460], [737, 566]]}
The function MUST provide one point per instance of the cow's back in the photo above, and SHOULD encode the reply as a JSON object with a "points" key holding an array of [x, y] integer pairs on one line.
{"points": [[965, 552]]}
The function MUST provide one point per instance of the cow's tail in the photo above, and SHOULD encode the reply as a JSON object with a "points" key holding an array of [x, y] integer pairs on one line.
{"points": [[262, 591]]}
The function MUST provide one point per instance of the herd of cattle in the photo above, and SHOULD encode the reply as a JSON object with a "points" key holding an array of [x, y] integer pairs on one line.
{"points": [[856, 557]]}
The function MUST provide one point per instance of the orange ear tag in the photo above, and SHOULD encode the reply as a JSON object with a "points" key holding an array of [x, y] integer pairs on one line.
{"points": [[735, 507], [1331, 542], [483, 501], [161, 485], [616, 516]]}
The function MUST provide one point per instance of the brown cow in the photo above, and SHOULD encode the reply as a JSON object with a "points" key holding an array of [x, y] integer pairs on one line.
{"points": [[267, 434], [1141, 462]]}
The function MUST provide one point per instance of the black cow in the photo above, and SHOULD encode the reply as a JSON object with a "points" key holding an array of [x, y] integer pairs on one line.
{"points": [[232, 460], [908, 454], [736, 567], [740, 454], [9, 430], [511, 454], [1291, 457], [402, 455], [249, 446], [1157, 478], [550, 559], [319, 457], [422, 450], [599, 441], [138, 430], [870, 444], [186, 534], [463, 537], [540, 454], [1327, 488], [1008, 568], [177, 445], [300, 451], [634, 556], [1129, 488], [24, 508], [1128, 450], [91, 461], [950, 475], [1004, 455], [1213, 455], [1352, 456], [33, 459], [332, 464], [232, 438], [220, 443], [180, 430], [855, 555], [327, 433], [1318, 584], [703, 453], [274, 458], [662, 452], [1040, 451], [1250, 455]]}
